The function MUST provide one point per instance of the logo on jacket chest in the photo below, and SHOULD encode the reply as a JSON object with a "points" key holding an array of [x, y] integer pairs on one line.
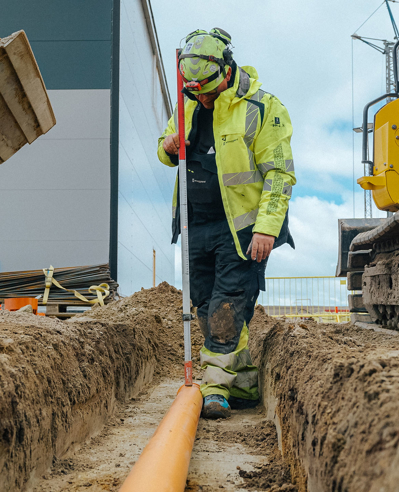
{"points": [[277, 122]]}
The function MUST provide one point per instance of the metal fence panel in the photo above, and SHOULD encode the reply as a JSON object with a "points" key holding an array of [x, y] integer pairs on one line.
{"points": [[322, 298]]}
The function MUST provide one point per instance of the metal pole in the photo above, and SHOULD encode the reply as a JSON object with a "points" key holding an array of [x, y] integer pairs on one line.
{"points": [[389, 69], [188, 367], [279, 299], [154, 261], [368, 170]]}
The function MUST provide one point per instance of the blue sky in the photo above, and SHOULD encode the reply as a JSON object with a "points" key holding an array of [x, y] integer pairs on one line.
{"points": [[303, 54]]}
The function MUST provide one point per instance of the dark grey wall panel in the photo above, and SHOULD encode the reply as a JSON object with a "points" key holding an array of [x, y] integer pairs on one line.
{"points": [[71, 39], [74, 64], [45, 20]]}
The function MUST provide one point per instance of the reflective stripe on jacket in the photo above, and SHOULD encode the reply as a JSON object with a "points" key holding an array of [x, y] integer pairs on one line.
{"points": [[252, 132]]}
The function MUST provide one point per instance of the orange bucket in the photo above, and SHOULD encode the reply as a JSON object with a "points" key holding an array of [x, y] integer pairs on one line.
{"points": [[15, 303]]}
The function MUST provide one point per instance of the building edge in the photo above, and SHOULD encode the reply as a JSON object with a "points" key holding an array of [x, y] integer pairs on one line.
{"points": [[152, 31], [114, 139]]}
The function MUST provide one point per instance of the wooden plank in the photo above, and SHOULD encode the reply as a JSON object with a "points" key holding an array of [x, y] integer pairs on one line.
{"points": [[25, 108], [12, 137], [61, 309], [52, 310], [65, 303], [23, 60], [15, 98]]}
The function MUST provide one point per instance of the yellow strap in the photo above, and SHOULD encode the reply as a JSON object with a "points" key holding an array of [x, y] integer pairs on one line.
{"points": [[49, 280], [99, 289]]}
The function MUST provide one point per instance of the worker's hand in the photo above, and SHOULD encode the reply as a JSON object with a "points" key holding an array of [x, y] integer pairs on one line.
{"points": [[261, 246], [171, 143]]}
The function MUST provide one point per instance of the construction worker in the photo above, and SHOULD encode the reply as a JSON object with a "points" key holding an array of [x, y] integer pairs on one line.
{"points": [[240, 175]]}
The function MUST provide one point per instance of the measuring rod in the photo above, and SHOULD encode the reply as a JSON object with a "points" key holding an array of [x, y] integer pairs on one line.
{"points": [[188, 367]]}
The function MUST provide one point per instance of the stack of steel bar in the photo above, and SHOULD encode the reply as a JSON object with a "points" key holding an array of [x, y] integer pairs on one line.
{"points": [[31, 283]]}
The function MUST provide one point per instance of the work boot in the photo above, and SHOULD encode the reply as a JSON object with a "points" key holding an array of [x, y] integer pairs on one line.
{"points": [[242, 403], [215, 407]]}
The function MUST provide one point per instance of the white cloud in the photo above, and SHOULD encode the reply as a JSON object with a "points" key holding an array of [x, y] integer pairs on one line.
{"points": [[314, 226]]}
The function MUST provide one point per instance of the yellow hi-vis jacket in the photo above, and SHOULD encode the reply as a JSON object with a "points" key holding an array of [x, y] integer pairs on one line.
{"points": [[252, 131]]}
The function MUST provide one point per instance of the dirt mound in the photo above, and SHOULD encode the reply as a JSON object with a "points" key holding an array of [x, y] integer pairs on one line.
{"points": [[160, 306], [59, 380], [337, 393]]}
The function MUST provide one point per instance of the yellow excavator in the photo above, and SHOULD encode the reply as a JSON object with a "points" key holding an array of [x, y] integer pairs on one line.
{"points": [[369, 248]]}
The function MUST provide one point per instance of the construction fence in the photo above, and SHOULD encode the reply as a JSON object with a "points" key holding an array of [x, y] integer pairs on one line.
{"points": [[324, 299]]}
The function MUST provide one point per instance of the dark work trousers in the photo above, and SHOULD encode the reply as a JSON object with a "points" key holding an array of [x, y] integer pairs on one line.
{"points": [[223, 286]]}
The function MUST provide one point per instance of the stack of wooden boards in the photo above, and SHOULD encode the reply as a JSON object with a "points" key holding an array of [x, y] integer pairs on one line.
{"points": [[31, 283]]}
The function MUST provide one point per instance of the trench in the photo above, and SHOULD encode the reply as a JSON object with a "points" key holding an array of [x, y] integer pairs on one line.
{"points": [[82, 398], [218, 457]]}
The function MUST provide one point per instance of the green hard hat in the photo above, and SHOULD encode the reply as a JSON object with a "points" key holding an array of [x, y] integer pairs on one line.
{"points": [[203, 59]]}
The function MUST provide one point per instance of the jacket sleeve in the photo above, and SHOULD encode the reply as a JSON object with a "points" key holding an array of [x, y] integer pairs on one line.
{"points": [[163, 156], [273, 157]]}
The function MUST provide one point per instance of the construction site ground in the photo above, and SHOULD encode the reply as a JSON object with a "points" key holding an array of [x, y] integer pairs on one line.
{"points": [[81, 398]]}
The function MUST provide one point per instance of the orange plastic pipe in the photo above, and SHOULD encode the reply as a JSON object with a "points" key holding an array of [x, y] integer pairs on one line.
{"points": [[163, 464]]}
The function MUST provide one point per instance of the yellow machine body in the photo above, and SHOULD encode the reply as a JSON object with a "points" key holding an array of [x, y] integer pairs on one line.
{"points": [[385, 180]]}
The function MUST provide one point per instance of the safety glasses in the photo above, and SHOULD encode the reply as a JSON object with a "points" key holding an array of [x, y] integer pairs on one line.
{"points": [[194, 86], [210, 93]]}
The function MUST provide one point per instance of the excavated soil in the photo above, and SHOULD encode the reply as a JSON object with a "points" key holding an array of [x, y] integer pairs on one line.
{"points": [[70, 409], [60, 380], [334, 391], [160, 310], [261, 439]]}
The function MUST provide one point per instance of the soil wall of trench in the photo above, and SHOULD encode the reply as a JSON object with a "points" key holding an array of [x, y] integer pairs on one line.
{"points": [[332, 390], [60, 380]]}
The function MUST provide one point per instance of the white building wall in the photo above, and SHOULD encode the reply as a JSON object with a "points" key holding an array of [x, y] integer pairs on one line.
{"points": [[145, 185], [55, 193]]}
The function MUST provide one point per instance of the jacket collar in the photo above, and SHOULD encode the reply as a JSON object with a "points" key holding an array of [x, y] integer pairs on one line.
{"points": [[245, 85]]}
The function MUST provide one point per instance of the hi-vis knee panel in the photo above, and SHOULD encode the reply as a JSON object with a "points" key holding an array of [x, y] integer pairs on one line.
{"points": [[230, 374]]}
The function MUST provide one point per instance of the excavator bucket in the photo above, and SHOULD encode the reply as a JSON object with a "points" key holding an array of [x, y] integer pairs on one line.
{"points": [[25, 108]]}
